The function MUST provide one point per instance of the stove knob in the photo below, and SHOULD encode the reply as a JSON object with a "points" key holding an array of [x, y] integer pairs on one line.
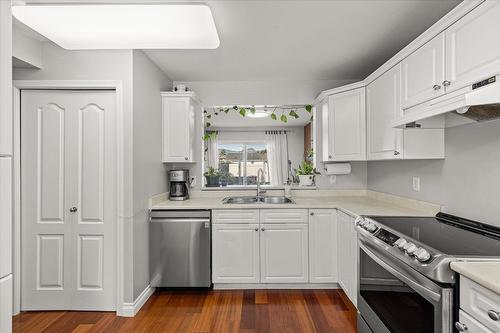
{"points": [[407, 245], [400, 243], [422, 255], [371, 227], [411, 249]]}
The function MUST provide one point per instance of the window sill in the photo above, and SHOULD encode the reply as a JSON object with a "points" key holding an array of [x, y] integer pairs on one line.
{"points": [[264, 187]]}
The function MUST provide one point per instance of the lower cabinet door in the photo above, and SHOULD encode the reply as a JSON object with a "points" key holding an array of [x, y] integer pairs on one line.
{"points": [[323, 246], [284, 253], [347, 256], [6, 304], [235, 253], [470, 325]]}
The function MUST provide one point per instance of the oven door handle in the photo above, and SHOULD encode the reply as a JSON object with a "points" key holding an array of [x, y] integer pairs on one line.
{"points": [[426, 292]]}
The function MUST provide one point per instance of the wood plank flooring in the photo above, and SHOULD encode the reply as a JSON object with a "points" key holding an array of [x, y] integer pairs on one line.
{"points": [[242, 311]]}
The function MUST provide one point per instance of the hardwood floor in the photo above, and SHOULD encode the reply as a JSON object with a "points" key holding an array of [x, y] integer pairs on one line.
{"points": [[210, 311]]}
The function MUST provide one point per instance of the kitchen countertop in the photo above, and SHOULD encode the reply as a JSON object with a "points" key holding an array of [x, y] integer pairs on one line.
{"points": [[486, 274], [350, 204]]}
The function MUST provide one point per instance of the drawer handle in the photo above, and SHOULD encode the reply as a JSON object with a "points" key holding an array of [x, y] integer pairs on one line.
{"points": [[494, 315], [460, 327]]}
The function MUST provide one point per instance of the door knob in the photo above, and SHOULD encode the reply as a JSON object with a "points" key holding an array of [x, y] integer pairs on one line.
{"points": [[73, 209], [461, 327], [436, 87], [446, 83]]}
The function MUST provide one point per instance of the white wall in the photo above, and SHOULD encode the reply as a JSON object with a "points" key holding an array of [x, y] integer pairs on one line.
{"points": [[60, 64], [6, 174], [467, 182], [150, 175]]}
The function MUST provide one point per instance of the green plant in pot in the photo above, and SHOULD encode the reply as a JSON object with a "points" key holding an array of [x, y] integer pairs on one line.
{"points": [[212, 177], [306, 173]]}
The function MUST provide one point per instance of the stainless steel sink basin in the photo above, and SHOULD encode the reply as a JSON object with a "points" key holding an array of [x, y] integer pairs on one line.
{"points": [[254, 200]]}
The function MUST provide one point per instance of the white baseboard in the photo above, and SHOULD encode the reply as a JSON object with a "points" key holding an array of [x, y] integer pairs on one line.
{"points": [[131, 309], [229, 286]]}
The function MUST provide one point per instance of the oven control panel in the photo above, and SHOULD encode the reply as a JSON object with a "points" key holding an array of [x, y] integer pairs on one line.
{"points": [[413, 250], [387, 237]]}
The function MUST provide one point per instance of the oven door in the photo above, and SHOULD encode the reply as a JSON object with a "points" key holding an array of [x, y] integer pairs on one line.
{"points": [[393, 297]]}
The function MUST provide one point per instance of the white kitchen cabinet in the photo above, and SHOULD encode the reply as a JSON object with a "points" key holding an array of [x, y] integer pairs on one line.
{"points": [[344, 126], [473, 46], [235, 253], [5, 216], [284, 253], [383, 105], [481, 304], [347, 242], [471, 325], [423, 73], [179, 110], [323, 246]]}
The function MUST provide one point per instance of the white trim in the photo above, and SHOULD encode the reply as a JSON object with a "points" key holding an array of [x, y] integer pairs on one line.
{"points": [[131, 309], [237, 286], [16, 196], [116, 85], [325, 93]]}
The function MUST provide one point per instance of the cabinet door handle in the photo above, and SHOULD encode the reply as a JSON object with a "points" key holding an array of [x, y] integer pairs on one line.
{"points": [[461, 327], [396, 153], [256, 229], [330, 157], [262, 229], [436, 87], [312, 214], [73, 209], [446, 83], [185, 158], [494, 315]]}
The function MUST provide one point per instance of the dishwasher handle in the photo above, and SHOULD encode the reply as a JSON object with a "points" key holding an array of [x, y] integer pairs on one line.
{"points": [[178, 220]]}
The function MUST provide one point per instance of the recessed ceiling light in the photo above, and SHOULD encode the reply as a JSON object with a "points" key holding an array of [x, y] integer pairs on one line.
{"points": [[121, 26], [258, 114]]}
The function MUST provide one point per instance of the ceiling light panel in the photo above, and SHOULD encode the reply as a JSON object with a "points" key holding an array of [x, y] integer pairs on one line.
{"points": [[151, 26]]}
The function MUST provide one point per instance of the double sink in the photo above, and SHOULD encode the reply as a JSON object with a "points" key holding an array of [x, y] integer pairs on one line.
{"points": [[256, 200]]}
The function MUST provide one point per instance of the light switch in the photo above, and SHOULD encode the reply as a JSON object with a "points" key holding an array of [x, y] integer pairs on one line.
{"points": [[416, 184]]}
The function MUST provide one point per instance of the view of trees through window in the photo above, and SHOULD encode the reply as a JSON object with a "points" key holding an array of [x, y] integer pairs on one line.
{"points": [[240, 162]]}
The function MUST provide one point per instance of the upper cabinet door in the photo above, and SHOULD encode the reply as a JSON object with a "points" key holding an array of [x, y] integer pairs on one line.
{"points": [[178, 127], [347, 126], [383, 105], [473, 46], [423, 73]]}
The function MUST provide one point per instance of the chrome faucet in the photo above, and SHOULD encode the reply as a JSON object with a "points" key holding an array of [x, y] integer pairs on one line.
{"points": [[260, 176]]}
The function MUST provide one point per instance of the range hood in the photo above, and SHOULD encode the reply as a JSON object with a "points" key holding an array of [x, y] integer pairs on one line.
{"points": [[475, 103]]}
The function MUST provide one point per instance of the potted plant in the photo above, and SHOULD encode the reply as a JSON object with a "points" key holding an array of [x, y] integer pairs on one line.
{"points": [[212, 177], [306, 172]]}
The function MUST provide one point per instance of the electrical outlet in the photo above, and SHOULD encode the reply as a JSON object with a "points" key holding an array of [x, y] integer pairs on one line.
{"points": [[333, 179], [192, 182], [416, 184]]}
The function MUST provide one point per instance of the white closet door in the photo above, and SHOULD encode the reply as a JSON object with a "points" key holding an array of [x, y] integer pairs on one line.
{"points": [[68, 200]]}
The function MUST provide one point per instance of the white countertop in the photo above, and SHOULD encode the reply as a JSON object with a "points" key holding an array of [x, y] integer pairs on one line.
{"points": [[351, 204], [486, 274]]}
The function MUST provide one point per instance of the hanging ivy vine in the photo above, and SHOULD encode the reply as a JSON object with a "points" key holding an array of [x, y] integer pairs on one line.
{"points": [[285, 113]]}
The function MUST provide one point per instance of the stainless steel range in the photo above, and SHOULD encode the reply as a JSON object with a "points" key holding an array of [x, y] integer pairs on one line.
{"points": [[405, 280]]}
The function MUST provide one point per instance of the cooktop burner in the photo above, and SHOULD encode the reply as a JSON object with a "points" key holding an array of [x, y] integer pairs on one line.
{"points": [[448, 234]]}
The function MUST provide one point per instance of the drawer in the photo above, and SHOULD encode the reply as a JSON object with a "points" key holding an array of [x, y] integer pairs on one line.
{"points": [[283, 216], [471, 325], [235, 216], [477, 301]]}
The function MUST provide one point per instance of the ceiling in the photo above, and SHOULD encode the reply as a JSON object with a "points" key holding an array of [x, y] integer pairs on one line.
{"points": [[303, 39]]}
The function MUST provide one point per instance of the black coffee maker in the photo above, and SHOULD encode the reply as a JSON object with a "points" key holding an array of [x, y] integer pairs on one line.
{"points": [[179, 185]]}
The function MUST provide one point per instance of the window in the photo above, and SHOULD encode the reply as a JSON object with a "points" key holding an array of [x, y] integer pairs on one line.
{"points": [[240, 162]]}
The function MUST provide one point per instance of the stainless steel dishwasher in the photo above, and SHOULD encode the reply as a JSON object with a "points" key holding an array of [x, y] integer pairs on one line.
{"points": [[180, 248]]}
